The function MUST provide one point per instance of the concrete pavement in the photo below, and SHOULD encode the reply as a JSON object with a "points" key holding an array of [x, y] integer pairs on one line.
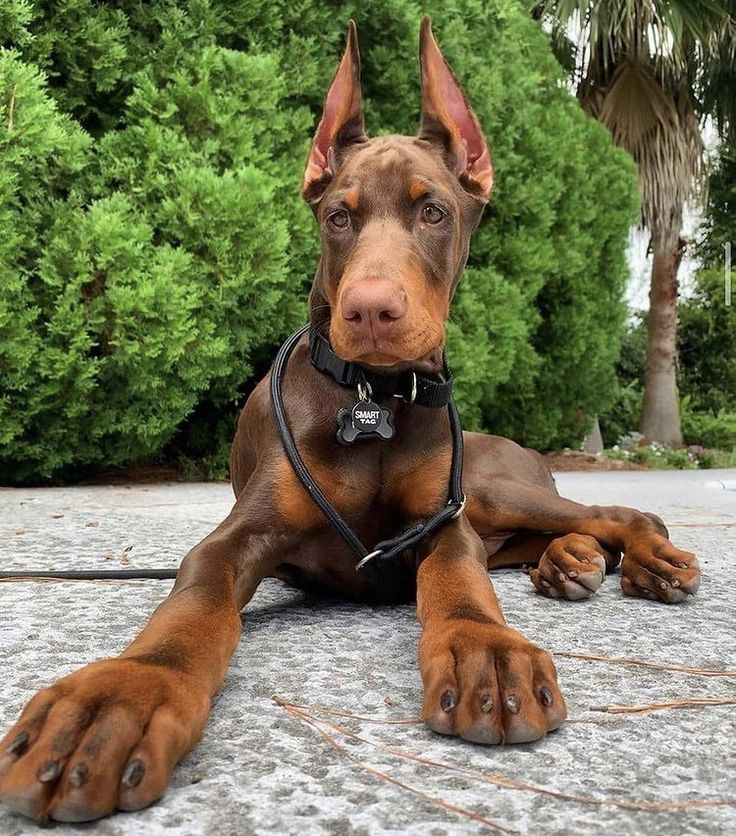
{"points": [[261, 770]]}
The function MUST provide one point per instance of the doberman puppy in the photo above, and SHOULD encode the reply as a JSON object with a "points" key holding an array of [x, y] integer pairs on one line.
{"points": [[395, 215]]}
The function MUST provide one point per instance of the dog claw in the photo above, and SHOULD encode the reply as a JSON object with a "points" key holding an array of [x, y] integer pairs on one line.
{"points": [[546, 696], [134, 773], [48, 772], [78, 775], [447, 701], [512, 703], [19, 745], [486, 703]]}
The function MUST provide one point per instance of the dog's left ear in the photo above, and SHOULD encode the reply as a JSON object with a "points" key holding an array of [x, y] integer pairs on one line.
{"points": [[448, 120], [341, 124]]}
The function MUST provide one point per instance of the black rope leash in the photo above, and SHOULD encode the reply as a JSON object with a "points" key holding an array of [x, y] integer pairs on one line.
{"points": [[91, 575], [386, 550]]}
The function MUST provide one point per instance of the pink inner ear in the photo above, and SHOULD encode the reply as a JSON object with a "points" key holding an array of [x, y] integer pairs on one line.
{"points": [[460, 114], [472, 153], [335, 106]]}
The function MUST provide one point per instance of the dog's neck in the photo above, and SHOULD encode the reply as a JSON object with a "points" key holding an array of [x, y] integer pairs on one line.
{"points": [[318, 399]]}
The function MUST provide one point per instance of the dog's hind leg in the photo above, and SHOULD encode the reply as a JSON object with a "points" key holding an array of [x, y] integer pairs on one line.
{"points": [[652, 567]]}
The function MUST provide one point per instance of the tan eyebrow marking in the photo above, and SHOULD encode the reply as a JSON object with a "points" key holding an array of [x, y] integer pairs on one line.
{"points": [[351, 199], [417, 188]]}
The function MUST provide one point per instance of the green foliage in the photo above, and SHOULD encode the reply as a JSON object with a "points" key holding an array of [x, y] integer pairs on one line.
{"points": [[720, 217], [707, 370], [147, 285], [535, 328], [156, 249], [623, 414], [707, 344], [707, 429], [661, 457], [707, 325]]}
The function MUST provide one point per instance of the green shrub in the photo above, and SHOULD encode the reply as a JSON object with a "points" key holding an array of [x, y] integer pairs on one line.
{"points": [[708, 430], [660, 457], [719, 223], [622, 416], [158, 250], [148, 288]]}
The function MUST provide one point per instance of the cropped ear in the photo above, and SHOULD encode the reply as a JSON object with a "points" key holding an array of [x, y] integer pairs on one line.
{"points": [[448, 120], [341, 124]]}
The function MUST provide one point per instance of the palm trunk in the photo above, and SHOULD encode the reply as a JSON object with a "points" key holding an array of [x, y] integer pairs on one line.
{"points": [[660, 416]]}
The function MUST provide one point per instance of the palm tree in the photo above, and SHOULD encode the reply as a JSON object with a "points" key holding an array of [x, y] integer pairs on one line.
{"points": [[650, 71]]}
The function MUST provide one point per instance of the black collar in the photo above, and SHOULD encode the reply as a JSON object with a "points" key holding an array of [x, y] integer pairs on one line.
{"points": [[411, 387]]}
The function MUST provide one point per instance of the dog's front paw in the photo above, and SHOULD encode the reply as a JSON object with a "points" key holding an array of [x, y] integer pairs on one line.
{"points": [[653, 568], [104, 738], [486, 683]]}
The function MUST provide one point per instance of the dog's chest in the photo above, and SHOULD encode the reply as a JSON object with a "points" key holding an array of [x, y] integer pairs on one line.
{"points": [[368, 491]]}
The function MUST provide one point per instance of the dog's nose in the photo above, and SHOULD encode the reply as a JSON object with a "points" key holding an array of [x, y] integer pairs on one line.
{"points": [[373, 306]]}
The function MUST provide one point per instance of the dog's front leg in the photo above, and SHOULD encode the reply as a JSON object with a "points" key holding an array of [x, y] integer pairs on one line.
{"points": [[108, 736], [482, 680]]}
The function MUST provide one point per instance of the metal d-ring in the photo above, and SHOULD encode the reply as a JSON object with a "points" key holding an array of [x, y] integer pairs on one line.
{"points": [[413, 387], [413, 395], [460, 509], [368, 557]]}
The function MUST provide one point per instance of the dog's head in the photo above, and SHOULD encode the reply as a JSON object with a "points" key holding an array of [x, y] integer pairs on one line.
{"points": [[395, 215]]}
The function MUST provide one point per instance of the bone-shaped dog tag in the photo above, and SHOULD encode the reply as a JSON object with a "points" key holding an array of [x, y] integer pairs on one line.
{"points": [[365, 420]]}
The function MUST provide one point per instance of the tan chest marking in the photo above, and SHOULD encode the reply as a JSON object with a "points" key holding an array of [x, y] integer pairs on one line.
{"points": [[421, 489], [295, 506]]}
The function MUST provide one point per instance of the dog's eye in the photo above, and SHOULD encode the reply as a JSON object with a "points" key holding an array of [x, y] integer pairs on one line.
{"points": [[339, 219], [432, 214]]}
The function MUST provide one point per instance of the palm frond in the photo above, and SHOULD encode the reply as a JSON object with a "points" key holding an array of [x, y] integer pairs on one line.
{"points": [[659, 128], [611, 30], [649, 70]]}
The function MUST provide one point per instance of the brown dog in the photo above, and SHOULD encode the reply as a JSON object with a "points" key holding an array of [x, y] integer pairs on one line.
{"points": [[395, 215]]}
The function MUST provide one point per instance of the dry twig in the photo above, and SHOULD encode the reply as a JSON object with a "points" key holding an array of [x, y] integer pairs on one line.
{"points": [[613, 660], [297, 712], [661, 706], [37, 579], [498, 780]]}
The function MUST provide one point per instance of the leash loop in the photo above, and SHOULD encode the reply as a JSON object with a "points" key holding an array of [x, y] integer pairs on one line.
{"points": [[387, 549]]}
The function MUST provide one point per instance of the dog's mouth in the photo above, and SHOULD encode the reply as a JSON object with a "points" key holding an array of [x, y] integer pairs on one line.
{"points": [[419, 349], [384, 362]]}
